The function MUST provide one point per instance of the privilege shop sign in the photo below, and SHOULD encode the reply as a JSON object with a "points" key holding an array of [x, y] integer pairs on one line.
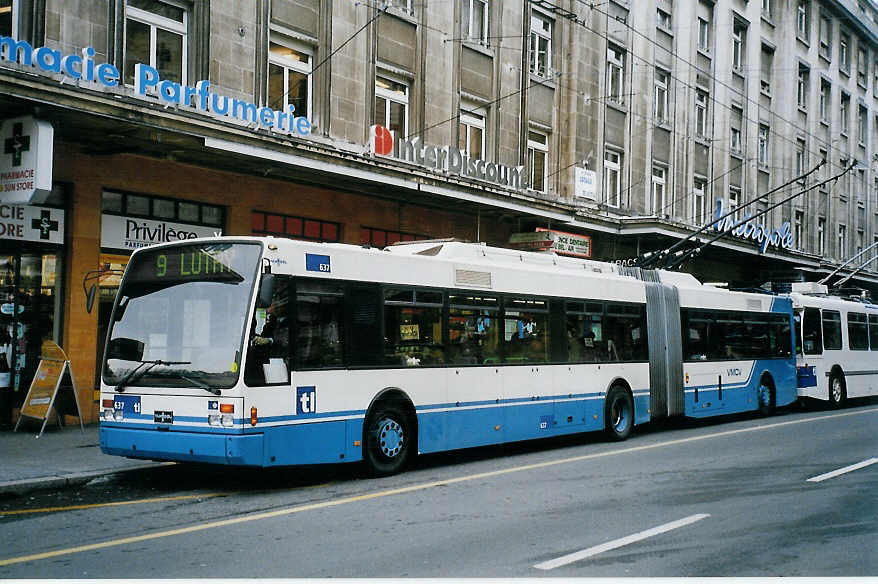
{"points": [[148, 82], [443, 159], [749, 229], [119, 232], [31, 223], [26, 160]]}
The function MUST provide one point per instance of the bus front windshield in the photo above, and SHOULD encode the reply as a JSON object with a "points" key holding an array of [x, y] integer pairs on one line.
{"points": [[179, 321]]}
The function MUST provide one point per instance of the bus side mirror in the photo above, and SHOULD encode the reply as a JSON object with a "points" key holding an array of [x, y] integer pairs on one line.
{"points": [[125, 349], [90, 298], [266, 291]]}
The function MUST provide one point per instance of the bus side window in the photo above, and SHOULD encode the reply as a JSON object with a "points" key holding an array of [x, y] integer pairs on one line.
{"points": [[831, 330], [873, 331], [319, 324], [812, 333]]}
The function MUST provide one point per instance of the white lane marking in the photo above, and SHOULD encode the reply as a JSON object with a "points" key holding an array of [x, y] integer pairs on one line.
{"points": [[611, 545], [841, 471]]}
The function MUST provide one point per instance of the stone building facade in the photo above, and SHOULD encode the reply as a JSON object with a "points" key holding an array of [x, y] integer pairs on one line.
{"points": [[622, 122]]}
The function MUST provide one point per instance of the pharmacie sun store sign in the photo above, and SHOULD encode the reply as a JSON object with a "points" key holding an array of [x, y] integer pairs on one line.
{"points": [[443, 159], [148, 84]]}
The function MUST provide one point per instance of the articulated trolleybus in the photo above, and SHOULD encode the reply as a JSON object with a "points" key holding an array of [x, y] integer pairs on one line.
{"points": [[263, 351], [837, 345]]}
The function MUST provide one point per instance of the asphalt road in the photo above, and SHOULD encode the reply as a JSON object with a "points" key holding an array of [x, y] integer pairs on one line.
{"points": [[729, 498]]}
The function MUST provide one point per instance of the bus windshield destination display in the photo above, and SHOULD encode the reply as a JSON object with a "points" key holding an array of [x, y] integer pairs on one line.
{"points": [[190, 263]]}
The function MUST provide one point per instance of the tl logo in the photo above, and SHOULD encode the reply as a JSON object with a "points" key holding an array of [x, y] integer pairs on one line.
{"points": [[306, 400], [381, 141]]}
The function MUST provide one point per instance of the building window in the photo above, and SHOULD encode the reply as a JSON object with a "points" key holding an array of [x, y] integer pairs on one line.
{"points": [[803, 18], [842, 240], [821, 235], [537, 160], [392, 106], [615, 75], [825, 101], [861, 237], [289, 77], [156, 35], [612, 177], [739, 43], [762, 146], [381, 237], [825, 36], [660, 99], [701, 123], [802, 87], [766, 66], [150, 207], [736, 145], [404, 5], [474, 20], [798, 219], [703, 34], [844, 58], [734, 202], [659, 188], [540, 45], [294, 227], [471, 139], [9, 18], [862, 125], [844, 112], [801, 157], [767, 9], [663, 19], [862, 65], [699, 206]]}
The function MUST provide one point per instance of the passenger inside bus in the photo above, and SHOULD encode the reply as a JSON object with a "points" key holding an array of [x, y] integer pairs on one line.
{"points": [[268, 360]]}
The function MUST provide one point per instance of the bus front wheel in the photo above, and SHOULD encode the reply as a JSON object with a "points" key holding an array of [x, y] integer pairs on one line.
{"points": [[388, 440], [619, 413]]}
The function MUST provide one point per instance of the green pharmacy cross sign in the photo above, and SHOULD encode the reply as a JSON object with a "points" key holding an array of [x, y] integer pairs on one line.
{"points": [[16, 144]]}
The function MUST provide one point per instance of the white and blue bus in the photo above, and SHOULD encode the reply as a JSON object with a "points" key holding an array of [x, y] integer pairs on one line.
{"points": [[263, 351], [836, 345]]}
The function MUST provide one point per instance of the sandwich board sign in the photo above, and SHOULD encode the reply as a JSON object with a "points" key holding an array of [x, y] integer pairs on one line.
{"points": [[47, 392]]}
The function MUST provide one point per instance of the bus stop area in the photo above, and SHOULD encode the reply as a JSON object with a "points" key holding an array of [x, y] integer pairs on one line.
{"points": [[61, 457]]}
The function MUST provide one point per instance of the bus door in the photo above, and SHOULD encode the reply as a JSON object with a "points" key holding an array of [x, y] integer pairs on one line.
{"points": [[809, 353]]}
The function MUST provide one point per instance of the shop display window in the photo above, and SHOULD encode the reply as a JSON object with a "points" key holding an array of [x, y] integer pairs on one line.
{"points": [[292, 227]]}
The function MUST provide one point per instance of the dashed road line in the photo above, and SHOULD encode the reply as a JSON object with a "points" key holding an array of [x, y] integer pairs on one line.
{"points": [[621, 542], [841, 471]]}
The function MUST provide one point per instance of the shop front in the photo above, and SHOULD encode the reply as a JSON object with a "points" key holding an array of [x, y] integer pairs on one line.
{"points": [[31, 299]]}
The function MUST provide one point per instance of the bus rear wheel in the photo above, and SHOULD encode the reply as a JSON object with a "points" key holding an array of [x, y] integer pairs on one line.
{"points": [[837, 391], [388, 441], [619, 413]]}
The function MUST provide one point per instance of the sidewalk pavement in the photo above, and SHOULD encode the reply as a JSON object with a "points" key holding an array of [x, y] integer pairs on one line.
{"points": [[59, 458]]}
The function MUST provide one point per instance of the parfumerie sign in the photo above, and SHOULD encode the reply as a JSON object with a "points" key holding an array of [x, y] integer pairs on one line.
{"points": [[444, 159], [148, 82], [118, 232]]}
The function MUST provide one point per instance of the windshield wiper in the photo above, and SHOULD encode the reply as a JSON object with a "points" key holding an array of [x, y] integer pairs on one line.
{"points": [[137, 372], [201, 384]]}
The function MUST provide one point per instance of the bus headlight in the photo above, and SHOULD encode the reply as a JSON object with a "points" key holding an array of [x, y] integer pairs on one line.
{"points": [[117, 415], [213, 419], [108, 415], [228, 421]]}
